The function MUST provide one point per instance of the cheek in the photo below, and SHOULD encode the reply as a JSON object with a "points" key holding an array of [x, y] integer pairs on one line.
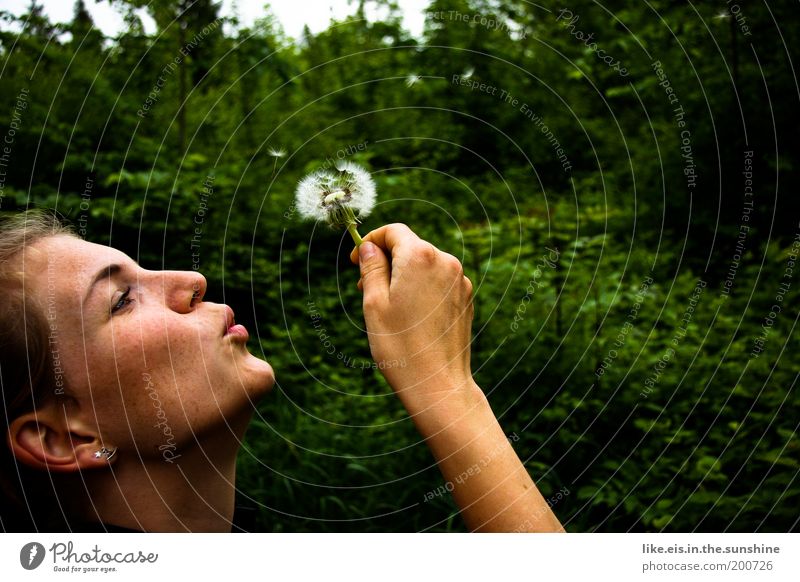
{"points": [[98, 364], [175, 343], [164, 386], [181, 360], [138, 363]]}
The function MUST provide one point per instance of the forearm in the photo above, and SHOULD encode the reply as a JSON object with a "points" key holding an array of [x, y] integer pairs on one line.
{"points": [[490, 485], [419, 307]]}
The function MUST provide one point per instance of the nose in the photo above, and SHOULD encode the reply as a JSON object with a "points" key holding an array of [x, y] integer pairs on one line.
{"points": [[183, 289]]}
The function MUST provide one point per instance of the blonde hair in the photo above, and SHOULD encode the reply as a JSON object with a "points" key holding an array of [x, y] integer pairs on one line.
{"points": [[26, 366]]}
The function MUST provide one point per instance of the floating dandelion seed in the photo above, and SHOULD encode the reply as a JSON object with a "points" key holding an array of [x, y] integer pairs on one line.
{"points": [[339, 198], [412, 80], [722, 15], [468, 73], [277, 154]]}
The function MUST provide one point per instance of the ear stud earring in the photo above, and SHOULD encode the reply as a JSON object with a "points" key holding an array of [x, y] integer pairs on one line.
{"points": [[104, 452]]}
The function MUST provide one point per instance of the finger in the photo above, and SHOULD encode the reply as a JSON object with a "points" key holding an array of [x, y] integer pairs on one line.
{"points": [[374, 273], [387, 237]]}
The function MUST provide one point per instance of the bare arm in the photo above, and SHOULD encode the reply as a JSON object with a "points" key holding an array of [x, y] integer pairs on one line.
{"points": [[418, 311]]}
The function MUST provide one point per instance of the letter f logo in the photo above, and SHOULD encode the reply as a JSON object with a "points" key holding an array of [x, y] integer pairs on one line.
{"points": [[31, 555]]}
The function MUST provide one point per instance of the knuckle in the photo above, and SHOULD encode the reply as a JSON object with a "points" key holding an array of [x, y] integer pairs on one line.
{"points": [[368, 268], [468, 285], [452, 263], [372, 302], [399, 227], [426, 253]]}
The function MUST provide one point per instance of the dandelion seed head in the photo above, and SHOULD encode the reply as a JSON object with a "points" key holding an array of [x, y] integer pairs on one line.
{"points": [[336, 197]]}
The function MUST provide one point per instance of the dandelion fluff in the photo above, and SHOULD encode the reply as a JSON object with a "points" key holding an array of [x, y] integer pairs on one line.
{"points": [[309, 197], [339, 197], [412, 80]]}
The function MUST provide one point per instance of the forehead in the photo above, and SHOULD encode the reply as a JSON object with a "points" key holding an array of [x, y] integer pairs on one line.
{"points": [[69, 258]]}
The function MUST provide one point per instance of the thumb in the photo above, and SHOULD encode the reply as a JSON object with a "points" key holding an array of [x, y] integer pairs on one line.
{"points": [[374, 271]]}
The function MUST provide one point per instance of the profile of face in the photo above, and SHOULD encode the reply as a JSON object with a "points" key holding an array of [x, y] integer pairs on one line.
{"points": [[148, 366]]}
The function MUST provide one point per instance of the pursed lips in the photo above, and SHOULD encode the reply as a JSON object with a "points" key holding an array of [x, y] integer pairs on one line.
{"points": [[231, 328], [230, 321]]}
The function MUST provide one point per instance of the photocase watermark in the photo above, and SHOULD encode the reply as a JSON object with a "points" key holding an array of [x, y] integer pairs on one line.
{"points": [[206, 192], [473, 470], [68, 559], [86, 199], [552, 501], [550, 260], [622, 334], [488, 22], [330, 348], [467, 81], [658, 369], [169, 448], [736, 11], [783, 287], [152, 97], [330, 162], [744, 228], [352, 149], [689, 167], [52, 319], [20, 106], [569, 21], [688, 314], [31, 555]]}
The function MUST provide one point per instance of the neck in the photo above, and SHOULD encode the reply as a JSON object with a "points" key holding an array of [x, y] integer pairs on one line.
{"points": [[195, 492], [160, 497]]}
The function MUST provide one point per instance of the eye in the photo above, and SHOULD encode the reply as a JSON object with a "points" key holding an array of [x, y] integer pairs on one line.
{"points": [[123, 301]]}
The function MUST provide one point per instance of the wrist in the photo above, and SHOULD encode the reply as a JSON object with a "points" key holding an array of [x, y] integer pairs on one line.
{"points": [[451, 408]]}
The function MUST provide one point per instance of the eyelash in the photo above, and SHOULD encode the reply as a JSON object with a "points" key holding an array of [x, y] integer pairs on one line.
{"points": [[123, 301]]}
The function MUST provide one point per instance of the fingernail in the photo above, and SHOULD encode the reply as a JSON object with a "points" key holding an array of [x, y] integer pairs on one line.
{"points": [[366, 251]]}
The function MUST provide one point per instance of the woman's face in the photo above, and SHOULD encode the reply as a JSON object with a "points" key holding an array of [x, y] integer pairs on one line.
{"points": [[147, 360]]}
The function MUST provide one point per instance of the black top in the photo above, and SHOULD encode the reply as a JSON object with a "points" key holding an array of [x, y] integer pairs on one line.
{"points": [[244, 521]]}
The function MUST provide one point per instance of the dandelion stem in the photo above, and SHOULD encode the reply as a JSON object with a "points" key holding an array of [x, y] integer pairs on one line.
{"points": [[351, 228]]}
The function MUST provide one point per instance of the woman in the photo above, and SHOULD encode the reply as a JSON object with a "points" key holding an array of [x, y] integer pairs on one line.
{"points": [[137, 391]]}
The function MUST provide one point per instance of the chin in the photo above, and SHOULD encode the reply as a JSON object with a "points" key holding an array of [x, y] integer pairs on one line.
{"points": [[255, 379], [262, 377]]}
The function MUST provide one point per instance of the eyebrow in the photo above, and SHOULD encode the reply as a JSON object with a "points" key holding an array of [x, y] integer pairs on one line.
{"points": [[105, 273]]}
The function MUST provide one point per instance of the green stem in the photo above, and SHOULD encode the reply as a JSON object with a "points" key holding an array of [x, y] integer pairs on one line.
{"points": [[351, 228]]}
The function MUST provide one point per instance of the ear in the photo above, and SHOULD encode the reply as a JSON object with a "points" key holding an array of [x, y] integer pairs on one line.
{"points": [[46, 439]]}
